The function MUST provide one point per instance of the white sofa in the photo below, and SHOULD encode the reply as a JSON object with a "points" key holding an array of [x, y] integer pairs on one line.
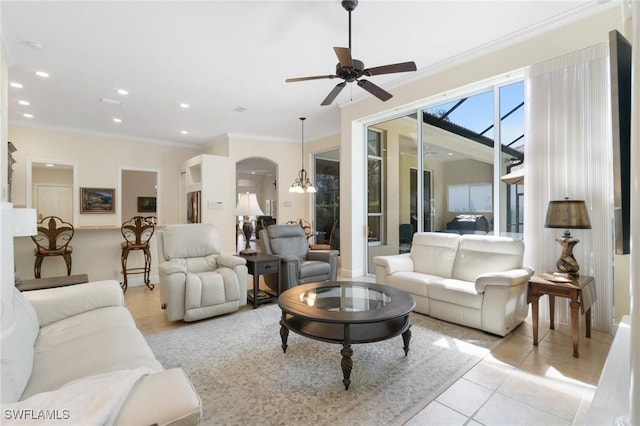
{"points": [[83, 334], [473, 280]]}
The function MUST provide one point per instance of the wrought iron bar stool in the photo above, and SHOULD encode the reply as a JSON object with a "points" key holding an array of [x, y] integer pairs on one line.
{"points": [[52, 239], [137, 232]]}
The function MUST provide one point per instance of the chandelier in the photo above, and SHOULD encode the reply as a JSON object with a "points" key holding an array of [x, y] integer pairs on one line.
{"points": [[302, 183]]}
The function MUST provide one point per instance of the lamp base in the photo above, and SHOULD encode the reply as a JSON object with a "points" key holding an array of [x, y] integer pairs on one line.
{"points": [[248, 252], [567, 263]]}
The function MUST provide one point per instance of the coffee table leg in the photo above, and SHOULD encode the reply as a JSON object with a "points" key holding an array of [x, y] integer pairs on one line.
{"points": [[284, 334], [347, 362], [406, 338]]}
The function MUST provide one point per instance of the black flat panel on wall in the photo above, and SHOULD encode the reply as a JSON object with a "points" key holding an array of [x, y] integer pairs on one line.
{"points": [[620, 70]]}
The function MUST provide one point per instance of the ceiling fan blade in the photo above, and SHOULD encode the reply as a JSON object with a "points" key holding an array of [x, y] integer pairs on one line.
{"points": [[315, 77], [388, 69], [336, 90], [376, 91], [344, 56]]}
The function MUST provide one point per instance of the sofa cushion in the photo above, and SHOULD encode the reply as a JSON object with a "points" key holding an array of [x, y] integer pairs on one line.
{"points": [[94, 342], [413, 282], [479, 254], [288, 240], [434, 253], [192, 240], [17, 349], [313, 268], [456, 292]]}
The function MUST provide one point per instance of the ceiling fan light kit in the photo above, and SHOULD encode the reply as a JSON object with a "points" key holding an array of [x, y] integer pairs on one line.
{"points": [[350, 70]]}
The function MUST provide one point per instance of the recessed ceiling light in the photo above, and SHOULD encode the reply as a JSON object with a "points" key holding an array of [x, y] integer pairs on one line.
{"points": [[122, 92], [184, 132], [27, 115], [451, 153], [15, 85], [184, 105], [24, 103], [253, 173], [42, 74], [117, 120], [49, 165]]}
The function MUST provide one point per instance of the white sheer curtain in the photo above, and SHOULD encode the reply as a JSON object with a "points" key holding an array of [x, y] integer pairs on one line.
{"points": [[569, 154]]}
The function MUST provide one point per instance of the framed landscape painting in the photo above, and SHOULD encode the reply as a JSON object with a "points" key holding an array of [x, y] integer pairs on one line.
{"points": [[97, 200], [147, 204]]}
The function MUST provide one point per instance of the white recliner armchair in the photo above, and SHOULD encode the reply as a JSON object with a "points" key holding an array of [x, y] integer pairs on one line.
{"points": [[196, 280]]}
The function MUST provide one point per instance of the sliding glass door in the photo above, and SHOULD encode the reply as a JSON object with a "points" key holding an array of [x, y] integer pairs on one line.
{"points": [[446, 174]]}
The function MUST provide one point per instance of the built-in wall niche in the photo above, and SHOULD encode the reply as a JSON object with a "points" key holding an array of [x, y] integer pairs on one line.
{"points": [[139, 194], [52, 189]]}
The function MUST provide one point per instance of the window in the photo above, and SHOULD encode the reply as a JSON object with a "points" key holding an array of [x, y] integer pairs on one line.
{"points": [[375, 195], [471, 198]]}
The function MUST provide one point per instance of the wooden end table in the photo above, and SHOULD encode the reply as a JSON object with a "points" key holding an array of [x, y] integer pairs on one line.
{"points": [[581, 292], [261, 264]]}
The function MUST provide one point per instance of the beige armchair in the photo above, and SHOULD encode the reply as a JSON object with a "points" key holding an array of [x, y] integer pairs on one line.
{"points": [[299, 264], [197, 280]]}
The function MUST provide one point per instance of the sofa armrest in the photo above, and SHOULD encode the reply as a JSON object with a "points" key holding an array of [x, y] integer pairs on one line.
{"points": [[168, 268], [395, 263], [55, 304], [230, 260], [322, 255], [165, 398], [504, 279]]}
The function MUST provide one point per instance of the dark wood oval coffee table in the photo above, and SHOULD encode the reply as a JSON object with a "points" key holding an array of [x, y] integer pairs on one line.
{"points": [[346, 312]]}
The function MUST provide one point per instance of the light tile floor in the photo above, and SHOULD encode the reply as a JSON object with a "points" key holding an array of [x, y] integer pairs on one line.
{"points": [[516, 384]]}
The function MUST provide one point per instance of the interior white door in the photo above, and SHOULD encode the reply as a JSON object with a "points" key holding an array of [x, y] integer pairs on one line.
{"points": [[55, 200]]}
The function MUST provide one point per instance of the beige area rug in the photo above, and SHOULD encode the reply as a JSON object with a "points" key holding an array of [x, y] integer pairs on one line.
{"points": [[243, 378]]}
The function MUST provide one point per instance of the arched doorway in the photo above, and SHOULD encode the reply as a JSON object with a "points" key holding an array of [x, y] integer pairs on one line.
{"points": [[257, 176]]}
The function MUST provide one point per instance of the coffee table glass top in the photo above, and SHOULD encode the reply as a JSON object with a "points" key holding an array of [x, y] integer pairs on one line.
{"points": [[346, 302], [345, 298]]}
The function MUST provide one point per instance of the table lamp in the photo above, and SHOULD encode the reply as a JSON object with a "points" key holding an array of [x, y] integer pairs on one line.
{"points": [[248, 206], [567, 214], [25, 224]]}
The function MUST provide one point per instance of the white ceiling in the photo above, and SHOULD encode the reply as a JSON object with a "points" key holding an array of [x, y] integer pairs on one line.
{"points": [[220, 55]]}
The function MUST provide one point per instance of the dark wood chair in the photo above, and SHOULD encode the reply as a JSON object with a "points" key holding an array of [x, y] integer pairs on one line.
{"points": [[52, 239], [137, 233]]}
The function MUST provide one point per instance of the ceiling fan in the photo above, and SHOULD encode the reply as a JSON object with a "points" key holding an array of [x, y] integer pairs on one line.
{"points": [[351, 70]]}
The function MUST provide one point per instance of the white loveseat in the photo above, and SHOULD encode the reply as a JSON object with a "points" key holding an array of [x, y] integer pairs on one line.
{"points": [[83, 334], [473, 280]]}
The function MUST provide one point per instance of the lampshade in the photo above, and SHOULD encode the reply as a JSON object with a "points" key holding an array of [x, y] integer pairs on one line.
{"points": [[567, 214], [24, 222], [248, 206]]}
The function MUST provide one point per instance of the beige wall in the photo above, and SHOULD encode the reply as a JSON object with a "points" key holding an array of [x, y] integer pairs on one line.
{"points": [[464, 71], [99, 160], [136, 184]]}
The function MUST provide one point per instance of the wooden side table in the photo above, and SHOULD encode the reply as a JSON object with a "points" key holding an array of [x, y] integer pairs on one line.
{"points": [[261, 264], [581, 292]]}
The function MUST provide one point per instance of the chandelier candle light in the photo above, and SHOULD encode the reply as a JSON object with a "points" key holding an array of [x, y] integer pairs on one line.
{"points": [[567, 214], [248, 206], [302, 183]]}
